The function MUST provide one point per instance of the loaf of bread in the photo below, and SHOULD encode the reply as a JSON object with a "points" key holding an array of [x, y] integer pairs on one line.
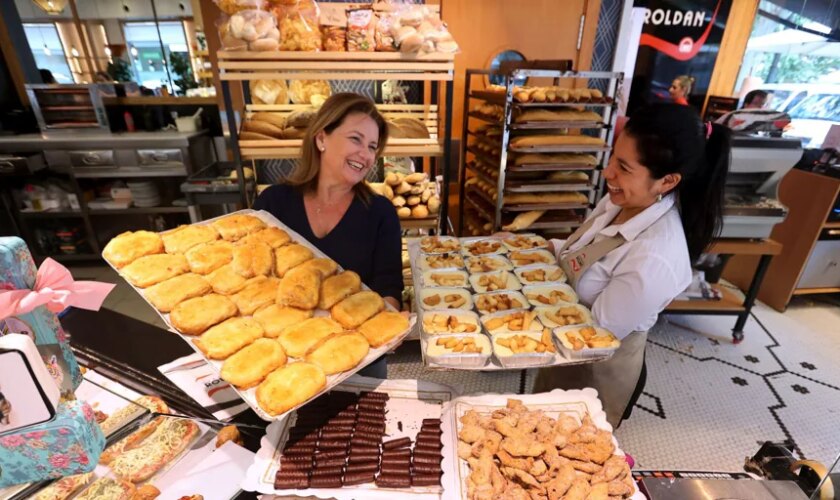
{"points": [[564, 197], [246, 135], [264, 128], [524, 220], [407, 128], [527, 141], [294, 133], [276, 119], [300, 118], [568, 177], [561, 115], [555, 158]]}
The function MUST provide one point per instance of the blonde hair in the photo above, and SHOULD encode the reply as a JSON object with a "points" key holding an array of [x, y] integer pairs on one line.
{"points": [[331, 115], [686, 83]]}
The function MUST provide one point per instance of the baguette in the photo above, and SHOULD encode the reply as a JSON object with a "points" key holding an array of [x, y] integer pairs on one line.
{"points": [[555, 140], [555, 158], [524, 220], [264, 128], [255, 136], [275, 119], [547, 115], [570, 177], [528, 198]]}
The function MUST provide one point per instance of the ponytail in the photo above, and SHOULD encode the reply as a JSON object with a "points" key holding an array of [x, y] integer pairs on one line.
{"points": [[671, 139], [701, 195]]}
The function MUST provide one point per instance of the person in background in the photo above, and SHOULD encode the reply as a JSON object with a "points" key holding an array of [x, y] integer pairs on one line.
{"points": [[327, 201], [755, 99], [633, 255], [681, 88], [102, 77], [47, 76]]}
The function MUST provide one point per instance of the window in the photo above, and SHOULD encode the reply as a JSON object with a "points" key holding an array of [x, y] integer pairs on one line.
{"points": [[48, 51], [144, 50]]}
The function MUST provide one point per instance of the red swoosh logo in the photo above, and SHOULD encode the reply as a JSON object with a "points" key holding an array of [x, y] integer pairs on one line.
{"points": [[673, 50], [217, 389]]}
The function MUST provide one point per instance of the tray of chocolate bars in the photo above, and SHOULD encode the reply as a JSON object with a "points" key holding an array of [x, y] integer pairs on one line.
{"points": [[366, 438]]}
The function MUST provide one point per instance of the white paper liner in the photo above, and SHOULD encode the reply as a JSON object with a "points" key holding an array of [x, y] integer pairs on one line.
{"points": [[249, 395], [405, 405], [576, 402]]}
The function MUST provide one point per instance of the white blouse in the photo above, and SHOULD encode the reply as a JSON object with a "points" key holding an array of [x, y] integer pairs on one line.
{"points": [[631, 285]]}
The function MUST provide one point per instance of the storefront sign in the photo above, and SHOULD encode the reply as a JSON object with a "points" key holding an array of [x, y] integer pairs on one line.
{"points": [[678, 38]]}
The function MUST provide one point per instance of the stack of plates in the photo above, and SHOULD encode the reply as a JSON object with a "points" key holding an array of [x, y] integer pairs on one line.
{"points": [[144, 193]]}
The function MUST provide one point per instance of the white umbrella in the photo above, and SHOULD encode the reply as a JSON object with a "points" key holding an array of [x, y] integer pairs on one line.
{"points": [[794, 42]]}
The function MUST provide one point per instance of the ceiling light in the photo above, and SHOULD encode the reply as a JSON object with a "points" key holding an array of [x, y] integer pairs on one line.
{"points": [[107, 51], [51, 7], [134, 51], [74, 52]]}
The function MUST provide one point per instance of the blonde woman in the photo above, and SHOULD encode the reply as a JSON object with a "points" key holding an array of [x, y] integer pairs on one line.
{"points": [[327, 201], [681, 88]]}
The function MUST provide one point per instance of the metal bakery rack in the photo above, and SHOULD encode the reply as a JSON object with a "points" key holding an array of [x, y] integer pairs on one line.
{"points": [[488, 174], [240, 66]]}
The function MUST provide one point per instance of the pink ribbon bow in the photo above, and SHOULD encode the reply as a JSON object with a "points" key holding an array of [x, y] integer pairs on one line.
{"points": [[55, 289]]}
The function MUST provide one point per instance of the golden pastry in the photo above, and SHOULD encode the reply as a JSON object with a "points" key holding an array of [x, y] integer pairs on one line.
{"points": [[229, 336], [152, 269], [298, 339], [289, 386], [249, 366], [299, 288], [252, 260], [258, 292], [194, 316], [183, 238], [168, 294], [337, 288], [130, 246], [226, 281], [380, 329], [234, 227], [325, 267], [338, 353], [289, 256], [206, 258], [271, 236], [356, 309], [275, 318]]}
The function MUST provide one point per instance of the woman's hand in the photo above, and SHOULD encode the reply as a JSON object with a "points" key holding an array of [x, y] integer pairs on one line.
{"points": [[391, 301]]}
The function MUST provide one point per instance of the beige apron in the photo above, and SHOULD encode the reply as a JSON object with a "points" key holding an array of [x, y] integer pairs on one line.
{"points": [[615, 379]]}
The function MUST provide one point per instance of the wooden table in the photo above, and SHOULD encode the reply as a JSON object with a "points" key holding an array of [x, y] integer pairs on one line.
{"points": [[730, 304]]}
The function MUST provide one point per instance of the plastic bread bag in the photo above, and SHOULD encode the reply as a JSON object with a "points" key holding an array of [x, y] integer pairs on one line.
{"points": [[334, 27], [269, 92], [298, 21], [361, 24], [418, 28], [310, 92], [383, 35], [231, 7], [249, 30]]}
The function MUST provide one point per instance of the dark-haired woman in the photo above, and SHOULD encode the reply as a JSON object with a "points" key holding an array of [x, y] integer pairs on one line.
{"points": [[327, 201], [633, 255]]}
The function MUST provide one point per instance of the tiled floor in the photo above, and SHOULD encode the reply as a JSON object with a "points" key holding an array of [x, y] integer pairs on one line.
{"points": [[707, 405]]}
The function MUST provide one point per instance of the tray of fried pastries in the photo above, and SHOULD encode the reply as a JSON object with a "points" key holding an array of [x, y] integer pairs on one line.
{"points": [[279, 320], [367, 438], [490, 303], [555, 445]]}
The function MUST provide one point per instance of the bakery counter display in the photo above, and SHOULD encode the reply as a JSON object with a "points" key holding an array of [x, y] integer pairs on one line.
{"points": [[275, 317], [366, 438], [498, 304], [556, 445], [149, 450], [534, 151]]}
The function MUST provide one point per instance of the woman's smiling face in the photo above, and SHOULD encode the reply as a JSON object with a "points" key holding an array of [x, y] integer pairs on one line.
{"points": [[629, 182], [349, 151]]}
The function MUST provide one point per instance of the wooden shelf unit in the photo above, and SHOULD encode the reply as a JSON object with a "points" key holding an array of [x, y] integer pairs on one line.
{"points": [[604, 128], [237, 67], [809, 198]]}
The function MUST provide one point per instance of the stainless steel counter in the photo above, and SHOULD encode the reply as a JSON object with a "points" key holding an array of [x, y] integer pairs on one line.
{"points": [[95, 140]]}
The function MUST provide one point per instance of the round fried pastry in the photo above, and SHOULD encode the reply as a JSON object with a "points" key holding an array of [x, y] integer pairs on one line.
{"points": [[380, 329], [289, 386], [250, 365], [129, 246], [194, 316], [339, 352]]}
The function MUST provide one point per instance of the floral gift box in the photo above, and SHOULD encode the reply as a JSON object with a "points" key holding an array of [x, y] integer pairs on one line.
{"points": [[68, 444]]}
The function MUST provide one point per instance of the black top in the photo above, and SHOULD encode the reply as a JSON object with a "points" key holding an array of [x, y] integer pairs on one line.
{"points": [[367, 239]]}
